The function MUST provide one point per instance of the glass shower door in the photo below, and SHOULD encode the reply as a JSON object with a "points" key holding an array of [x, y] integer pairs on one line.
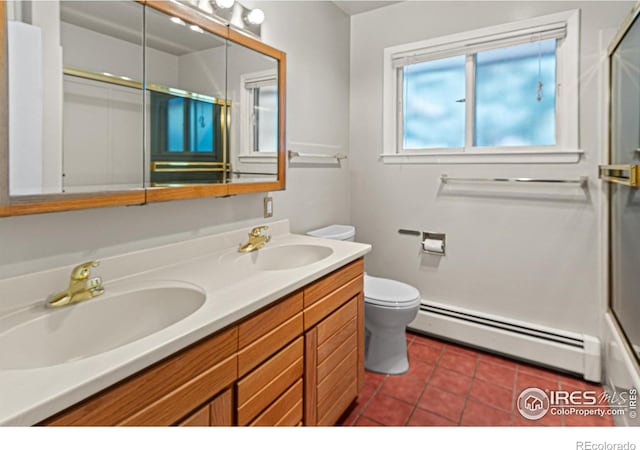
{"points": [[624, 195]]}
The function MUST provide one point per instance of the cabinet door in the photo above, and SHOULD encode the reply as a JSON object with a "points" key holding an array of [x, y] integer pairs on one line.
{"points": [[332, 364]]}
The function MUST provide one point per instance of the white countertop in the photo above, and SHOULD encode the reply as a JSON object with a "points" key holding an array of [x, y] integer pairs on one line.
{"points": [[28, 396]]}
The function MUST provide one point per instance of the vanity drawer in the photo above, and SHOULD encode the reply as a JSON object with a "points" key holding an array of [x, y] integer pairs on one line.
{"points": [[263, 386], [254, 354], [134, 394], [170, 408], [251, 330], [329, 283], [286, 411], [324, 306]]}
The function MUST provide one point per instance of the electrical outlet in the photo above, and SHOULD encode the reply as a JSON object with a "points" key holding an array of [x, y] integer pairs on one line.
{"points": [[268, 207]]}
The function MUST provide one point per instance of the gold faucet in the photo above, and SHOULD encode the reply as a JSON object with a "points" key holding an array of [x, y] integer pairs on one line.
{"points": [[256, 240], [80, 287]]}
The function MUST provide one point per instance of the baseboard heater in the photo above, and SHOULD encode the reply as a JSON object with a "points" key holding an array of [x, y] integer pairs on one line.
{"points": [[549, 347]]}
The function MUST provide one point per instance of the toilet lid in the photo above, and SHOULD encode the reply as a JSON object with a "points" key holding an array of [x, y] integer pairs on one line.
{"points": [[385, 292]]}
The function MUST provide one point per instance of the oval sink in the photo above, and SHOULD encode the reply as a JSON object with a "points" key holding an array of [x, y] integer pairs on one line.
{"points": [[285, 256], [96, 325]]}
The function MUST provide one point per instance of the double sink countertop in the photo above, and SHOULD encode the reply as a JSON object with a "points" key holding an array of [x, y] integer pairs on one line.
{"points": [[232, 284]]}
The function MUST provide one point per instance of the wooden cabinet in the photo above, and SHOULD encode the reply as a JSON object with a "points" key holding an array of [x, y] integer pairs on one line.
{"points": [[216, 413], [271, 364], [164, 393], [334, 344], [297, 361]]}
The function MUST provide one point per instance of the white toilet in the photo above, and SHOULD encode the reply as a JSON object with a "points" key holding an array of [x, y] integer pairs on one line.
{"points": [[389, 306]]}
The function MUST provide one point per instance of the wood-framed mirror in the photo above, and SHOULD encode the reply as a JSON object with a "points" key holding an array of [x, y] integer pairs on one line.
{"points": [[133, 102]]}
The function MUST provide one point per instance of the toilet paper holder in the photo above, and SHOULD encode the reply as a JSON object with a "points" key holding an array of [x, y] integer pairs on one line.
{"points": [[439, 239], [431, 236]]}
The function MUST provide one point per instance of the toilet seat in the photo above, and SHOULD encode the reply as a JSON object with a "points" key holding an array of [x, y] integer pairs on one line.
{"points": [[389, 293]]}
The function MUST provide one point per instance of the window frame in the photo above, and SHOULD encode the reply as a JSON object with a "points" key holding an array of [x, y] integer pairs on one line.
{"points": [[566, 149]]}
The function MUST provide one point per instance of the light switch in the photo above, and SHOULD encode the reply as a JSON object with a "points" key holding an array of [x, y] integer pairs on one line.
{"points": [[268, 207]]}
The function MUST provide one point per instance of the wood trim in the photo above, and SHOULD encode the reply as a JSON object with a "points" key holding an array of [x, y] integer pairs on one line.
{"points": [[277, 413], [180, 401], [254, 354], [21, 206], [321, 309], [4, 110], [163, 194], [118, 402], [191, 15], [310, 377], [247, 188], [360, 334], [334, 280], [254, 44], [252, 329], [200, 418], [222, 410]]}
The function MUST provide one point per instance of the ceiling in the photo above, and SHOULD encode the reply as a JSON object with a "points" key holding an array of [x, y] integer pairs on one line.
{"points": [[357, 7]]}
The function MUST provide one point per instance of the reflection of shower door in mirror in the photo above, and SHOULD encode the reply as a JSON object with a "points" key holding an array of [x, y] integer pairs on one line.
{"points": [[624, 195], [186, 139]]}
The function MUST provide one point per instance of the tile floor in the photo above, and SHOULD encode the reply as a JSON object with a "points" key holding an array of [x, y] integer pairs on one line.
{"points": [[451, 385]]}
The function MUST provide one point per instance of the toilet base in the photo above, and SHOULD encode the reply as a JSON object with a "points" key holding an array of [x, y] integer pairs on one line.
{"points": [[386, 351]]}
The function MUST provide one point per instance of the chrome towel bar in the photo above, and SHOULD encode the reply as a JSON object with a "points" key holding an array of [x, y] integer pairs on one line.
{"points": [[579, 181], [294, 154]]}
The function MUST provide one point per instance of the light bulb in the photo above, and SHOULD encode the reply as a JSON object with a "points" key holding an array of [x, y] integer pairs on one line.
{"points": [[196, 28], [255, 16], [177, 20], [224, 4]]}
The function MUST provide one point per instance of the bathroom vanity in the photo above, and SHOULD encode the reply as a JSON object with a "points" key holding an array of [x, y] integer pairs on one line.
{"points": [[270, 345]]}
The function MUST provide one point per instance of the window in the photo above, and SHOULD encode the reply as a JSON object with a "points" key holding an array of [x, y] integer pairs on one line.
{"points": [[499, 94], [259, 115], [265, 118]]}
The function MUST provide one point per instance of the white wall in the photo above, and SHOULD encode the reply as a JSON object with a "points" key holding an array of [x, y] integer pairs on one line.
{"points": [[317, 111], [529, 253]]}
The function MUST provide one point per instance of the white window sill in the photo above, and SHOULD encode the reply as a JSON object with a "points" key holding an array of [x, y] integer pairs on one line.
{"points": [[484, 157], [259, 159]]}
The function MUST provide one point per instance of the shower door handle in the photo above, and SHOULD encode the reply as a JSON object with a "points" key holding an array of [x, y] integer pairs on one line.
{"points": [[626, 174]]}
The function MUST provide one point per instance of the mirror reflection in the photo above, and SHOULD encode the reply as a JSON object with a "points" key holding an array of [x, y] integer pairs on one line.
{"points": [[186, 101], [75, 98], [252, 90], [118, 96]]}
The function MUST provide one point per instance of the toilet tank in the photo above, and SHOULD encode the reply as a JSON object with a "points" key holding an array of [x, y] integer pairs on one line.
{"points": [[338, 232]]}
